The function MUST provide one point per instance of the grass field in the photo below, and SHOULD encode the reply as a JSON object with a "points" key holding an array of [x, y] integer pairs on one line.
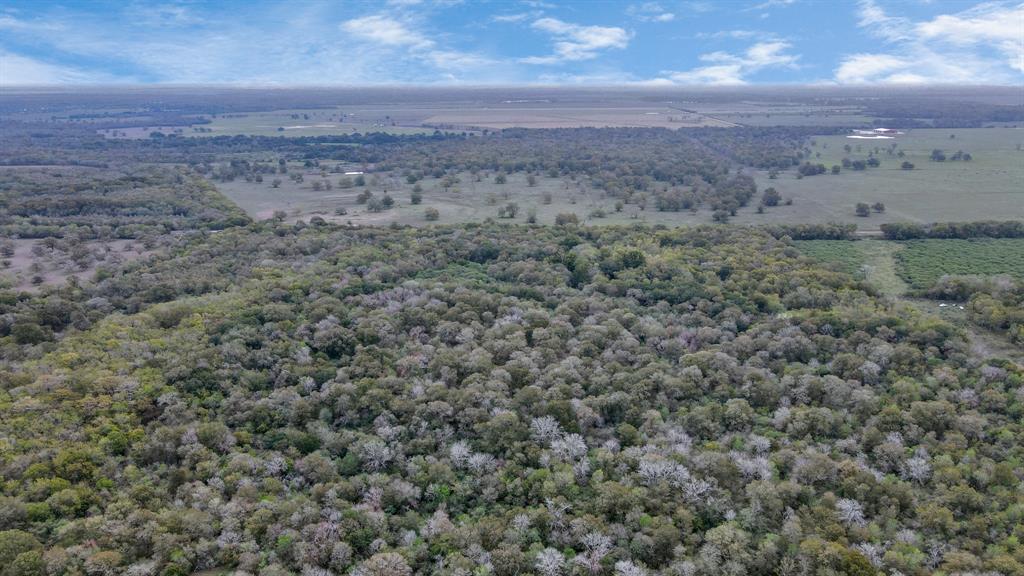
{"points": [[988, 187]]}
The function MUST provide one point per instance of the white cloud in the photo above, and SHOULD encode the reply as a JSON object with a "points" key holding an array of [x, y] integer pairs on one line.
{"points": [[393, 33], [511, 17], [771, 4], [862, 68], [18, 70], [729, 69], [385, 30], [574, 42], [948, 49], [997, 27], [650, 12], [735, 34]]}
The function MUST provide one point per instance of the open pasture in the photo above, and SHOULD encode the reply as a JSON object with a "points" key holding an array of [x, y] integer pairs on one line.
{"points": [[989, 187], [473, 198]]}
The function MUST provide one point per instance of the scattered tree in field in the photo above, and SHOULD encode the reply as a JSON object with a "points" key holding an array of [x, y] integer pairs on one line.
{"points": [[771, 197], [416, 196], [566, 219], [531, 180], [878, 207], [509, 210], [906, 166], [863, 209], [275, 183], [500, 178], [835, 168], [431, 214]]}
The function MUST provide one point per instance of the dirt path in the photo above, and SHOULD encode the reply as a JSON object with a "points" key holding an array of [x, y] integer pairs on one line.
{"points": [[880, 267]]}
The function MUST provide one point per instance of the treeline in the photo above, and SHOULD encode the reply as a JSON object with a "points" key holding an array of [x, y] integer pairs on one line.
{"points": [[983, 229], [829, 231], [908, 112]]}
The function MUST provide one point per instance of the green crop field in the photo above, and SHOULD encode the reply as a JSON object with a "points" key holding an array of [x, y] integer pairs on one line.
{"points": [[922, 262], [918, 263], [987, 187]]}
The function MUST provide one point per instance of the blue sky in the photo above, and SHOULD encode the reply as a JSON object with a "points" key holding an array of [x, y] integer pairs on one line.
{"points": [[681, 42]]}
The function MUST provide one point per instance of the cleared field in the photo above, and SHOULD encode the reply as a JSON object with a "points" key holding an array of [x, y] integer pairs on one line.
{"points": [[773, 113], [307, 122], [922, 262], [990, 186]]}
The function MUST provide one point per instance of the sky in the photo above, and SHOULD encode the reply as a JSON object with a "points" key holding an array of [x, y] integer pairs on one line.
{"points": [[478, 42]]}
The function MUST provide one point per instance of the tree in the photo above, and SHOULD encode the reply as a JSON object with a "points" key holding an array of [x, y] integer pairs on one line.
{"points": [[878, 207], [835, 168], [531, 180], [863, 209], [509, 210], [385, 564], [14, 543], [431, 214], [550, 562], [906, 166], [771, 197], [276, 183], [566, 219], [500, 178]]}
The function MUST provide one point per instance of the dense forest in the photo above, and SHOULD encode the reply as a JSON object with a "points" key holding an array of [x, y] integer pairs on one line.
{"points": [[500, 400]]}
